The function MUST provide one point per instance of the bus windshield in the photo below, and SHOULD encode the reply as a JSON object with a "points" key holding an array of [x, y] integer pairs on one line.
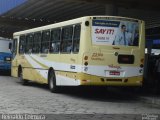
{"points": [[121, 32]]}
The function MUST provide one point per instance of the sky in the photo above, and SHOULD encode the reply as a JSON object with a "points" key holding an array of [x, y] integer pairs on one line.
{"points": [[6, 5]]}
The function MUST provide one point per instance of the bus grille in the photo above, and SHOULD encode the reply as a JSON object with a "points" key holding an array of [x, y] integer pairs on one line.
{"points": [[115, 80]]}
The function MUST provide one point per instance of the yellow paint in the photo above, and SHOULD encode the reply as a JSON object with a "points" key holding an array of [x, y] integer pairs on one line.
{"points": [[97, 55]]}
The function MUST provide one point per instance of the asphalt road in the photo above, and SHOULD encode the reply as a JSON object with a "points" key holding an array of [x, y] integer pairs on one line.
{"points": [[37, 99]]}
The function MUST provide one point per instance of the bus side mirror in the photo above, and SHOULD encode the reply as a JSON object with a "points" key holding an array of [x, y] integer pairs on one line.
{"points": [[10, 46]]}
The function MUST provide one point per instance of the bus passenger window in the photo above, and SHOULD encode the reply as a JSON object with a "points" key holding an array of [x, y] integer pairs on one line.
{"points": [[22, 44], [66, 44], [37, 42], [45, 41], [76, 38], [29, 43], [14, 49], [55, 40]]}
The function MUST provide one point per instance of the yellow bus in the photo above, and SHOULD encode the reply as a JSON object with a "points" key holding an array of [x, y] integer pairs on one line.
{"points": [[87, 51]]}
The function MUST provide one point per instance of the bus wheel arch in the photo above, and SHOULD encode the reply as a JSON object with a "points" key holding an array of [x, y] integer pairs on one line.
{"points": [[20, 76], [52, 81], [19, 71]]}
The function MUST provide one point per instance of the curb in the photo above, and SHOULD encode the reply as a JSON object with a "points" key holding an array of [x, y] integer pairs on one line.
{"points": [[151, 100]]}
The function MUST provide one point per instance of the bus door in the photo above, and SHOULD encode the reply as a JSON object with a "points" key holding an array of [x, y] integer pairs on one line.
{"points": [[14, 68]]}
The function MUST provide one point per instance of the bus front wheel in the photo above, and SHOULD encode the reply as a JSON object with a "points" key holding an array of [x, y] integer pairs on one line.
{"points": [[52, 82]]}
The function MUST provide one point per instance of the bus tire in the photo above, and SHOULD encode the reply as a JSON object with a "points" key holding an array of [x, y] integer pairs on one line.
{"points": [[52, 82], [20, 77]]}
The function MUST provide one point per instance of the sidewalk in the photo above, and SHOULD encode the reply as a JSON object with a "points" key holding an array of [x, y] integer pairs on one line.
{"points": [[145, 95], [150, 96], [151, 99]]}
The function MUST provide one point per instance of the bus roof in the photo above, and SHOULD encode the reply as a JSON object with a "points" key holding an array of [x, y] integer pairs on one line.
{"points": [[68, 22]]}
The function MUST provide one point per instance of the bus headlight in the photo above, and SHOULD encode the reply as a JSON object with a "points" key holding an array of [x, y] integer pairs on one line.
{"points": [[141, 65], [141, 71]]}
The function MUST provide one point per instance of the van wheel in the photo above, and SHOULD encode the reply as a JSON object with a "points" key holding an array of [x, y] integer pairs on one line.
{"points": [[52, 82], [20, 77]]}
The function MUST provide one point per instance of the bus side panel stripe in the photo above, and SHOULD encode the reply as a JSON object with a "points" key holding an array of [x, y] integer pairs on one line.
{"points": [[42, 72], [66, 81]]}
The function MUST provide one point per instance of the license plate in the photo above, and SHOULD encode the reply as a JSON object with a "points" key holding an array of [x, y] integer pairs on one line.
{"points": [[116, 73]]}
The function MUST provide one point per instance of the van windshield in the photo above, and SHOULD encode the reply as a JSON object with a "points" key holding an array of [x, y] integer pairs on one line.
{"points": [[4, 46]]}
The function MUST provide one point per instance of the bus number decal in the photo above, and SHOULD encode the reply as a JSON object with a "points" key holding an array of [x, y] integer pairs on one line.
{"points": [[97, 56]]}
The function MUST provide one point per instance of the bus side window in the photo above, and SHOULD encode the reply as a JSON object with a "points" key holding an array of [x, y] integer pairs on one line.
{"points": [[45, 41], [14, 48], [37, 42], [29, 43], [55, 40], [22, 44], [66, 44], [76, 38]]}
